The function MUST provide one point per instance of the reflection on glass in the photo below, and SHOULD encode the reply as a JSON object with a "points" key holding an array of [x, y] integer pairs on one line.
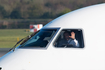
{"points": [[40, 40]]}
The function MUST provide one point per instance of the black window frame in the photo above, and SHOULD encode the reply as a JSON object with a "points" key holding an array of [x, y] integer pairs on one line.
{"points": [[82, 38]]}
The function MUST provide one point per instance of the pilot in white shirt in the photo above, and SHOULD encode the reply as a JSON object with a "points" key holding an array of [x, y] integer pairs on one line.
{"points": [[68, 41]]}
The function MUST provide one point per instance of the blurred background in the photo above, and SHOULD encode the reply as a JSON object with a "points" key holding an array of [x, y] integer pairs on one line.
{"points": [[16, 16]]}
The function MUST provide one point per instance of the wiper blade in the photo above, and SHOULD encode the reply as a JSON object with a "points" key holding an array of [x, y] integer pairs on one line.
{"points": [[13, 48], [26, 38]]}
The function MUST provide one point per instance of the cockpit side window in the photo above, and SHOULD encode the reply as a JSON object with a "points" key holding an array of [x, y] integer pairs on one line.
{"points": [[70, 38]]}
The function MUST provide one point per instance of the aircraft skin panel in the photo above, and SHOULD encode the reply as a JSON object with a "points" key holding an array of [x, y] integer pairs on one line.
{"points": [[43, 59]]}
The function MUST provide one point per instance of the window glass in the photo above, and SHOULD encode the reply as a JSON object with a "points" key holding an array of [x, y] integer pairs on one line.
{"points": [[70, 38], [40, 40]]}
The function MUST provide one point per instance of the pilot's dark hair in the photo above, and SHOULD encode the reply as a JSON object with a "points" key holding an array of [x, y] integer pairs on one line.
{"points": [[65, 33]]}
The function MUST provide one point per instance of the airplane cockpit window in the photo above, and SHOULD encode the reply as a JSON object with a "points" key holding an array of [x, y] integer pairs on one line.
{"points": [[70, 38], [40, 40]]}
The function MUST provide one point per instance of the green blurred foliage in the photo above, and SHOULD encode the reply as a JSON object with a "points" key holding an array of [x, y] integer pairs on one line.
{"points": [[3, 12], [15, 14], [32, 9], [64, 11]]}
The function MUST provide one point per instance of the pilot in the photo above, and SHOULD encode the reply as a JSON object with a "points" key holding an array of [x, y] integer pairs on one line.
{"points": [[68, 41]]}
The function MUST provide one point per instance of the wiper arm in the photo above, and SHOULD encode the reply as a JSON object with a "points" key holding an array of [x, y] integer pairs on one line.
{"points": [[26, 38], [29, 37], [13, 48]]}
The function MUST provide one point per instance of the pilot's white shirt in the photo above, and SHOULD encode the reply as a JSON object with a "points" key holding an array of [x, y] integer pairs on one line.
{"points": [[73, 42]]}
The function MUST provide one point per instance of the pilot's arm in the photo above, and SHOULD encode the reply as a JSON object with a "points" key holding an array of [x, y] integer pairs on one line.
{"points": [[74, 42]]}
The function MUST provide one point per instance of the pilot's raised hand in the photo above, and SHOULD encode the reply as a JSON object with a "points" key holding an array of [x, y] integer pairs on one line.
{"points": [[72, 35]]}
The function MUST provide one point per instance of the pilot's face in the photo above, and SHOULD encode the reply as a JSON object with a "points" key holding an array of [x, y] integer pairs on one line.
{"points": [[66, 36]]}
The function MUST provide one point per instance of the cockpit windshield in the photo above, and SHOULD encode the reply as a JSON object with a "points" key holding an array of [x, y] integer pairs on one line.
{"points": [[40, 40]]}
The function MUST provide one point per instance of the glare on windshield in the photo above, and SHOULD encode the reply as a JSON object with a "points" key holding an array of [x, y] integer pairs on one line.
{"points": [[40, 40]]}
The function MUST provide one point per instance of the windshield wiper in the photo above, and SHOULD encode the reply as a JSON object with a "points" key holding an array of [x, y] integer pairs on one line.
{"points": [[13, 48], [29, 37], [26, 38]]}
